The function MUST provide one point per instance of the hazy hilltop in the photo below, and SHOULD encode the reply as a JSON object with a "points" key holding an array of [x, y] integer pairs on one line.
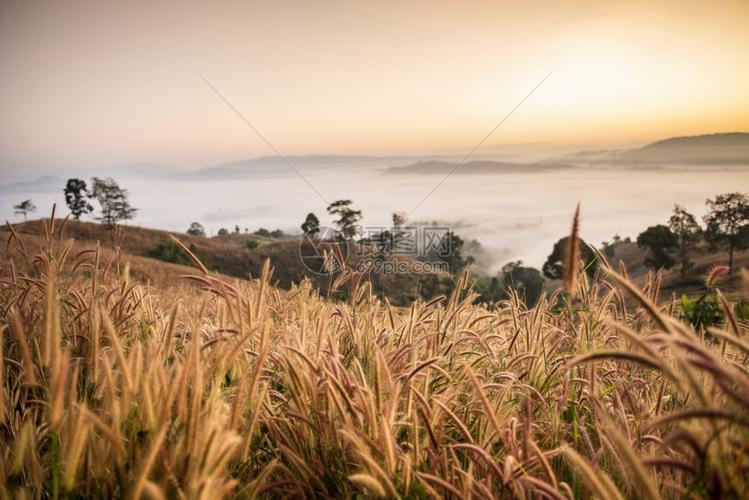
{"points": [[273, 166], [719, 149], [474, 167], [710, 149], [730, 139], [726, 149]]}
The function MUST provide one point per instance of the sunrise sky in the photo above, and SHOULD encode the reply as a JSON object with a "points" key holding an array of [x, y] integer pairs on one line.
{"points": [[88, 83]]}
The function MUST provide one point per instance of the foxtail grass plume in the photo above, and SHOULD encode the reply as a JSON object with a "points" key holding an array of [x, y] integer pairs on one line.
{"points": [[572, 260]]}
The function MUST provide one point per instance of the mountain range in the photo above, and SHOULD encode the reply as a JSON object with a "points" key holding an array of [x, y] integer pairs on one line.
{"points": [[709, 150], [727, 149]]}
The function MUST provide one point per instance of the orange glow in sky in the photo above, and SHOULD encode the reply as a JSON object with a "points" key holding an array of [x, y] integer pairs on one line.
{"points": [[87, 83]]}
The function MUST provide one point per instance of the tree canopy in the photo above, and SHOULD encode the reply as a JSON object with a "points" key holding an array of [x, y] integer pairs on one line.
{"points": [[75, 198], [311, 225], [727, 223], [660, 243], [346, 217], [553, 268], [526, 281], [196, 229], [113, 201], [687, 231], [24, 208]]}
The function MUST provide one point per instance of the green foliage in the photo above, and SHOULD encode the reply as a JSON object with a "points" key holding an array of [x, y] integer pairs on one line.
{"points": [[703, 312], [252, 244], [742, 310], [168, 251]]}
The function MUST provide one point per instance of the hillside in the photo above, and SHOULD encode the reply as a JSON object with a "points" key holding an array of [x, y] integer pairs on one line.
{"points": [[692, 284], [234, 255], [712, 149], [242, 256], [724, 140]]}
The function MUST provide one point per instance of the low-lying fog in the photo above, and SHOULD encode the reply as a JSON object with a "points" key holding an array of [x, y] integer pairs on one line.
{"points": [[515, 215]]}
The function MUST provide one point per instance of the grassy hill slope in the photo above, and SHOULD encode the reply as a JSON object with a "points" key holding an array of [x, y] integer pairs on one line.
{"points": [[236, 255], [109, 389]]}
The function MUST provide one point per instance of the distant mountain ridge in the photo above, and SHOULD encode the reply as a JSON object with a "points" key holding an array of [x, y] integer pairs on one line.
{"points": [[709, 149], [474, 167], [723, 149], [728, 139], [717, 149], [275, 166]]}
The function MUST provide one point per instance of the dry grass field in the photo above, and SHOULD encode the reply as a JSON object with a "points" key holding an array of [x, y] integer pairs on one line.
{"points": [[233, 388]]}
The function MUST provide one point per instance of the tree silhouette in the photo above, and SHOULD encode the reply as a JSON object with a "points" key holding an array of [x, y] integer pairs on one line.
{"points": [[113, 201], [347, 217], [75, 198], [398, 235], [684, 227], [526, 281], [24, 208], [196, 229], [311, 225], [553, 268], [661, 243], [727, 223]]}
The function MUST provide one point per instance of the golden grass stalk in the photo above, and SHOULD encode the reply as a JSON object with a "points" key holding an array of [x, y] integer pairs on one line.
{"points": [[572, 255]]}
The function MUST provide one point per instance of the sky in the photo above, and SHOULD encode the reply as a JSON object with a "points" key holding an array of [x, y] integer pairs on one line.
{"points": [[103, 83]]}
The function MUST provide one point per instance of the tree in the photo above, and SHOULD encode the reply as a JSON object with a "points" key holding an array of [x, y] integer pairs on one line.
{"points": [[727, 223], [113, 201], [347, 217], [24, 208], [661, 243], [399, 220], [686, 230], [311, 225], [277, 233], [196, 229], [526, 281], [553, 268], [262, 232], [223, 231], [450, 251], [75, 198]]}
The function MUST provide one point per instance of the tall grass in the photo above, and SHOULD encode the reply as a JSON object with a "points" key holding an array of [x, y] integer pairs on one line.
{"points": [[111, 388]]}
